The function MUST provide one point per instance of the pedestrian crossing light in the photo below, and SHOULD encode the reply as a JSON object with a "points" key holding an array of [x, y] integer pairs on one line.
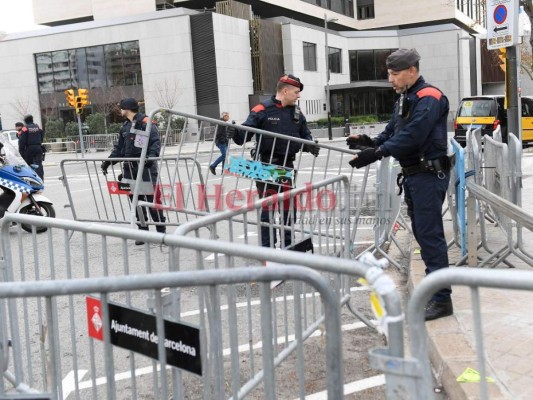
{"points": [[84, 95], [502, 55], [70, 97]]}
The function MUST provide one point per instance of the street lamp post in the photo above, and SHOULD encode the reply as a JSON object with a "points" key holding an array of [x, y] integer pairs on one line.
{"points": [[328, 110]]}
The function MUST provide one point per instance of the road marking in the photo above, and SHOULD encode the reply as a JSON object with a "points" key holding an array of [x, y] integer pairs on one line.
{"points": [[258, 302], [69, 384], [352, 387], [245, 347]]}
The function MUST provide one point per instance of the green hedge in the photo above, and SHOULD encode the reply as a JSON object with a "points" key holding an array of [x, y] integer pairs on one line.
{"points": [[353, 119]]}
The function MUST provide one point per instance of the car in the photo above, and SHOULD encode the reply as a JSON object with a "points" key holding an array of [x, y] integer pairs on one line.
{"points": [[487, 113], [10, 136]]}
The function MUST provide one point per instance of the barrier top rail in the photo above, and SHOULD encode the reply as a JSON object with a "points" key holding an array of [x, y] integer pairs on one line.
{"points": [[184, 228], [508, 208]]}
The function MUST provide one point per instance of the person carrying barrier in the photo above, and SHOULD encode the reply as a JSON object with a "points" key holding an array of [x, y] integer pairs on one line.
{"points": [[280, 114], [31, 139], [125, 148], [417, 137]]}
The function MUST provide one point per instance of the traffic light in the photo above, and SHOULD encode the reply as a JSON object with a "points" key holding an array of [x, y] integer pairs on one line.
{"points": [[84, 94], [502, 55], [70, 97], [79, 105]]}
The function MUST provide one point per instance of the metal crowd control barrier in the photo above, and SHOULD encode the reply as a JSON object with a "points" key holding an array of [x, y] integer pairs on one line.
{"points": [[110, 194], [124, 326], [187, 188], [92, 250], [94, 143], [456, 197], [419, 369], [387, 207]]}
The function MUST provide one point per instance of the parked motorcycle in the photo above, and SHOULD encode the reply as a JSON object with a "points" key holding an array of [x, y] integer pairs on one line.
{"points": [[21, 187]]}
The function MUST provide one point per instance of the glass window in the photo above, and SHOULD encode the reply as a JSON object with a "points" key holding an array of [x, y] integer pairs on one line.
{"points": [[114, 64], [132, 63], [45, 74], [61, 67], [309, 56], [366, 65], [335, 60], [96, 67], [381, 66], [365, 9]]}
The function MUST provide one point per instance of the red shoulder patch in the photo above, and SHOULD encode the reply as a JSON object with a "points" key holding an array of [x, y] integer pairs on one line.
{"points": [[258, 108], [145, 121], [24, 129], [429, 91]]}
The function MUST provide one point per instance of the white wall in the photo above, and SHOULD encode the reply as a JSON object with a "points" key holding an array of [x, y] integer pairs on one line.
{"points": [[234, 65], [166, 55]]}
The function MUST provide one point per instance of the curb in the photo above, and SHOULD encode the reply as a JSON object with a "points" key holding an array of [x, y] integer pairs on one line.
{"points": [[450, 350]]}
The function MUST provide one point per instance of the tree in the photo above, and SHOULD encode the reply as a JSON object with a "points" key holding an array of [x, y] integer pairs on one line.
{"points": [[53, 129], [96, 123], [104, 100], [166, 95]]}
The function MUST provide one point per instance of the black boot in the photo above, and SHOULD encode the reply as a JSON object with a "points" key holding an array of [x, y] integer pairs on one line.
{"points": [[438, 309], [141, 242]]}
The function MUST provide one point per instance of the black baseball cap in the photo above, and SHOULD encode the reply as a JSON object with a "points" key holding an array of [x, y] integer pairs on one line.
{"points": [[129, 104]]}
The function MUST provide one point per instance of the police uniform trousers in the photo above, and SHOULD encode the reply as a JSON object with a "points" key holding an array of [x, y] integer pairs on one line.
{"points": [[424, 194], [268, 213], [33, 155]]}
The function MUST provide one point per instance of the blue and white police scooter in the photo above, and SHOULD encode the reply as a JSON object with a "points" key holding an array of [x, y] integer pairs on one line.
{"points": [[21, 187]]}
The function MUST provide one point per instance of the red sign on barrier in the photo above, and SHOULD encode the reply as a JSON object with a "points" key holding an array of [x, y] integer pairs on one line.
{"points": [[94, 318], [118, 188]]}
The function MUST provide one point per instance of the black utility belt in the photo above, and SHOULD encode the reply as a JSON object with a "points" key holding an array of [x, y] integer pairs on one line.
{"points": [[435, 166]]}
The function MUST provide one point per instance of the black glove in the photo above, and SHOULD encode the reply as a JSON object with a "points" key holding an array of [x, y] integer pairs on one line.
{"points": [[105, 165], [148, 163], [119, 177], [310, 148], [365, 157], [363, 140]]}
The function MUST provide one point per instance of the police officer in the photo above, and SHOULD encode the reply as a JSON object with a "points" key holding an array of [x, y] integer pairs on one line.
{"points": [[18, 128], [30, 141], [279, 114], [125, 148], [417, 137]]}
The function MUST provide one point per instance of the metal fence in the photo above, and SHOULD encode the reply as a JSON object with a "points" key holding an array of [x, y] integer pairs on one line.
{"points": [[227, 317], [474, 279], [125, 329]]}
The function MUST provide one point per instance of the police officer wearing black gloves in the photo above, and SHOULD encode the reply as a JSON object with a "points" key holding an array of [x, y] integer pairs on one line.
{"points": [[279, 114], [31, 138], [125, 148], [417, 137]]}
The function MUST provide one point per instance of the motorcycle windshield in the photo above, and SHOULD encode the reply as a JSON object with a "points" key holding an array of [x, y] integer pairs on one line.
{"points": [[10, 153]]}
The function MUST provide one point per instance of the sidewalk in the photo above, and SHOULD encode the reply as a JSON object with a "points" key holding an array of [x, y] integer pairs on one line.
{"points": [[507, 321]]}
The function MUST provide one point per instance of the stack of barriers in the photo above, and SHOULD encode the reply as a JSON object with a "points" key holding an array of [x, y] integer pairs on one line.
{"points": [[59, 302], [186, 191]]}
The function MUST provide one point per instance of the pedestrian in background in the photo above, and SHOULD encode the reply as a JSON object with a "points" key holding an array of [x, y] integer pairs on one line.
{"points": [[279, 114], [125, 148], [31, 139], [221, 141], [417, 137]]}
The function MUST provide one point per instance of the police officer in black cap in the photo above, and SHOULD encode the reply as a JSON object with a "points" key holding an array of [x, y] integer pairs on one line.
{"points": [[279, 114], [125, 148], [31, 138], [417, 137]]}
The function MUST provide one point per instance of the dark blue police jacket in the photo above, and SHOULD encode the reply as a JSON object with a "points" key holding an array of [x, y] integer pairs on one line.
{"points": [[125, 148], [271, 116], [420, 130]]}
